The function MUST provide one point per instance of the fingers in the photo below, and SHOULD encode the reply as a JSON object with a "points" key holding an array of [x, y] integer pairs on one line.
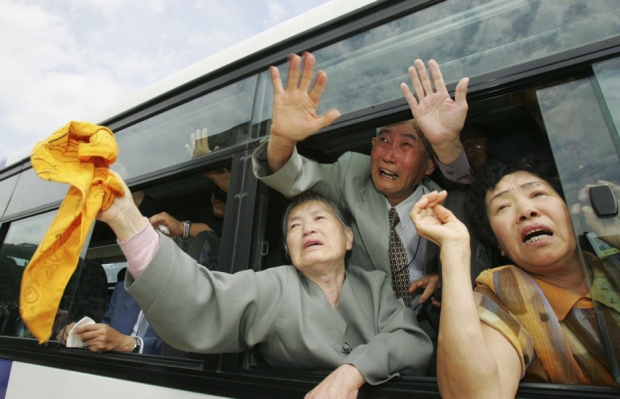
{"points": [[319, 87], [411, 100], [437, 83], [460, 96], [424, 78], [429, 290], [276, 80], [306, 77], [417, 284], [329, 117], [294, 62]]}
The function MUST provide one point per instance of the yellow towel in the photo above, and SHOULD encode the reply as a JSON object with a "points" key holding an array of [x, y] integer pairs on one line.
{"points": [[78, 154]]}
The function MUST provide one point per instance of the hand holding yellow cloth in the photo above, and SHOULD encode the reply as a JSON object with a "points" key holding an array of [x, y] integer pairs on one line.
{"points": [[78, 154]]}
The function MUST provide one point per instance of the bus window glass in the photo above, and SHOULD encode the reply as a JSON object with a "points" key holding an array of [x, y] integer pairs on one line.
{"points": [[21, 242], [6, 190], [608, 78], [32, 191], [584, 146], [467, 38], [169, 138]]}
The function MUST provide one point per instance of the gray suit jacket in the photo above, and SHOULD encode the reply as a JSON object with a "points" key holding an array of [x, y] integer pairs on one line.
{"points": [[286, 317], [348, 182]]}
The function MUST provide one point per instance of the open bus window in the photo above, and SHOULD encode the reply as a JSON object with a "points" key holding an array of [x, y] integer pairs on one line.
{"points": [[200, 199], [20, 243], [580, 119]]}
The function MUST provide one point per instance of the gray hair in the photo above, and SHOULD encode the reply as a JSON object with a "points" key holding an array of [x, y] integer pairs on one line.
{"points": [[416, 127]]}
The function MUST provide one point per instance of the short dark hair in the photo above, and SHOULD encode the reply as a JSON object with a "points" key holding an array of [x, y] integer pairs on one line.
{"points": [[475, 206]]}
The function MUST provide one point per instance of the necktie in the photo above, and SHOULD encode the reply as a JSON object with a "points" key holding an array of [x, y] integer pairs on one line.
{"points": [[398, 261], [143, 326]]}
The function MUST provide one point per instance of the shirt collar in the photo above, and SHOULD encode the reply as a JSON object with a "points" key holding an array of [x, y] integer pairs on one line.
{"points": [[562, 301], [404, 208]]}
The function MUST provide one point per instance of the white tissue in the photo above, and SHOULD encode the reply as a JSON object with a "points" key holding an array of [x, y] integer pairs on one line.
{"points": [[75, 340]]}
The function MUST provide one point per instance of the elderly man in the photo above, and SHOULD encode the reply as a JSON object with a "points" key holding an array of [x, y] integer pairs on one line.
{"points": [[393, 177]]}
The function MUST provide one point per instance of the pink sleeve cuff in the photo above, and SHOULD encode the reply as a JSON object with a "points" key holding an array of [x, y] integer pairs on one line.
{"points": [[140, 250]]}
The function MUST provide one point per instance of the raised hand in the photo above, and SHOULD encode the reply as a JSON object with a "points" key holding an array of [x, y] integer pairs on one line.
{"points": [[436, 223], [295, 108], [440, 118], [199, 143]]}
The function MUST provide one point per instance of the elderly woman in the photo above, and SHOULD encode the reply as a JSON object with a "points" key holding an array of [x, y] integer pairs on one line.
{"points": [[316, 314], [534, 319]]}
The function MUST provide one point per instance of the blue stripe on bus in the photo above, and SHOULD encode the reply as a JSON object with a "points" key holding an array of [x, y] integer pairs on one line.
{"points": [[5, 371]]}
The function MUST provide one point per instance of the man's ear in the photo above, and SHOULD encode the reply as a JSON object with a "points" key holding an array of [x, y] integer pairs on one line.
{"points": [[432, 165]]}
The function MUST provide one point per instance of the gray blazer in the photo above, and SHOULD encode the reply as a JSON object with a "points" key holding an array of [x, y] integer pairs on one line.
{"points": [[284, 316], [348, 182]]}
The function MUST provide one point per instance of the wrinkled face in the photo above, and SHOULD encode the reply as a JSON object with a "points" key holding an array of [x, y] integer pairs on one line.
{"points": [[399, 161], [315, 236], [531, 223]]}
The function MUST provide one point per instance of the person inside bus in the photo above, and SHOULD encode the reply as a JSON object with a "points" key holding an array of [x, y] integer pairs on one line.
{"points": [[123, 328], [320, 313], [475, 141], [206, 232], [533, 320], [380, 190]]}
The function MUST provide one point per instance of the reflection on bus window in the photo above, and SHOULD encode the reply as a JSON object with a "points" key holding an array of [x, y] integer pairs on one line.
{"points": [[6, 190], [169, 138], [585, 142], [27, 194], [467, 38]]}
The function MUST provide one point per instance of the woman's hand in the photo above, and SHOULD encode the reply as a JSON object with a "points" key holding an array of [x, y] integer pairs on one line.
{"points": [[342, 383], [436, 223], [123, 215]]}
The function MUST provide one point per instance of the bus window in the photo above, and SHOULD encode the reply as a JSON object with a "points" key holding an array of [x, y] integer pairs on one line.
{"points": [[467, 38], [169, 138], [6, 190], [198, 198], [22, 238], [579, 118], [32, 191]]}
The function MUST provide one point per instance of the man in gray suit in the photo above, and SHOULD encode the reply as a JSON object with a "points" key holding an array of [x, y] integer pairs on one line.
{"points": [[395, 174]]}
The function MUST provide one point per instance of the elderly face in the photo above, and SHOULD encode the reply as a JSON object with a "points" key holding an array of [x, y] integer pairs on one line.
{"points": [[531, 223], [315, 236], [399, 161]]}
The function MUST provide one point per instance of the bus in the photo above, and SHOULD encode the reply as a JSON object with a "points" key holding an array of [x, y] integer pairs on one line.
{"points": [[544, 77]]}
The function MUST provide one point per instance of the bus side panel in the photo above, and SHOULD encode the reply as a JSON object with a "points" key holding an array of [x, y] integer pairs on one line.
{"points": [[5, 372], [33, 381]]}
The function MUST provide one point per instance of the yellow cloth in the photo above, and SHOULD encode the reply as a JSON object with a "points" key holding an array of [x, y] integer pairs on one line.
{"points": [[78, 154]]}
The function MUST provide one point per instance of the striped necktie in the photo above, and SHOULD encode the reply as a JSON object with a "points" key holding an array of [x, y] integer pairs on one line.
{"points": [[143, 326], [398, 262]]}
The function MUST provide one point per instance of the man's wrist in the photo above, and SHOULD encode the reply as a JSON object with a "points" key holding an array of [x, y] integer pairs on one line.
{"points": [[137, 347]]}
